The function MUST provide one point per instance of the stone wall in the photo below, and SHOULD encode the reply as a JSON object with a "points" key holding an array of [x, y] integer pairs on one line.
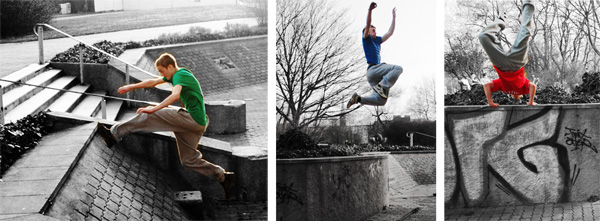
{"points": [[332, 188], [516, 155]]}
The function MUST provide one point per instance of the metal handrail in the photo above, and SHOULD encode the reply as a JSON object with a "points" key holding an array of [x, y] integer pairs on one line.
{"points": [[89, 45], [102, 104], [410, 135], [41, 61], [84, 93], [427, 135]]}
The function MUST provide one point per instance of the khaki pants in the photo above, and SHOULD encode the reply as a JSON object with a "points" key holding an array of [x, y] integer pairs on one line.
{"points": [[187, 133]]}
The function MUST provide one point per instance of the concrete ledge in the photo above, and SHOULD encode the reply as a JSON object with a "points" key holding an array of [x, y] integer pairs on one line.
{"points": [[331, 159], [520, 155], [414, 152], [332, 188], [473, 108], [206, 143], [51, 162]]}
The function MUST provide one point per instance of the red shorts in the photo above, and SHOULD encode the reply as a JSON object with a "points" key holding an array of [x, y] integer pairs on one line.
{"points": [[498, 86]]}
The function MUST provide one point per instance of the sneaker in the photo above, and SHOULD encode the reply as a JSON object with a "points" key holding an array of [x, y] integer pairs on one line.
{"points": [[105, 134], [353, 100], [228, 183], [379, 89]]}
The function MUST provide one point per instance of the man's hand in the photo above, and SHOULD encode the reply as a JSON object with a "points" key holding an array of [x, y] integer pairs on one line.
{"points": [[493, 105], [124, 89], [394, 13], [372, 6], [147, 110]]}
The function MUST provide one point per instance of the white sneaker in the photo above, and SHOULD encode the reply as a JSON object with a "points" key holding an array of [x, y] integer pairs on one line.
{"points": [[379, 89]]}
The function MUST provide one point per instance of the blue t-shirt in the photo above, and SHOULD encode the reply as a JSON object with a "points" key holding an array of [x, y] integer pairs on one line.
{"points": [[372, 47]]}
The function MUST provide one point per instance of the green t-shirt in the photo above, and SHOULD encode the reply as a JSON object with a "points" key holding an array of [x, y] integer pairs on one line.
{"points": [[191, 94]]}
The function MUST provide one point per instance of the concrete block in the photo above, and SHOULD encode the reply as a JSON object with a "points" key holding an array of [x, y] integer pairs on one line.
{"points": [[226, 116], [188, 196], [251, 178]]}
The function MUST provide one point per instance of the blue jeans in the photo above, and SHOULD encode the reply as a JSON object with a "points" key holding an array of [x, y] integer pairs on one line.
{"points": [[383, 73]]}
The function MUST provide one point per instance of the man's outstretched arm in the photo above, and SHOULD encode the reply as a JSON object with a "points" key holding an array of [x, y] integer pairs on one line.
{"points": [[392, 27], [144, 84], [368, 27]]}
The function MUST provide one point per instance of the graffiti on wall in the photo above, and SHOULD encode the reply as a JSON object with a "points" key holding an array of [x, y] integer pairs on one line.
{"points": [[512, 157], [286, 193], [578, 139]]}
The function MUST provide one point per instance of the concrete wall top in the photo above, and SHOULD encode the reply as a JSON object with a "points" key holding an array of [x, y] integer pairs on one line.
{"points": [[332, 159], [472, 108]]}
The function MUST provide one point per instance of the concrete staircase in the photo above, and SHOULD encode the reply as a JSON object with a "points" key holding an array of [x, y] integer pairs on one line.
{"points": [[22, 100]]}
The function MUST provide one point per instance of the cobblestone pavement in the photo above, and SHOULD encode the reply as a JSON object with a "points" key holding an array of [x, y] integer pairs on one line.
{"points": [[416, 204], [408, 199], [256, 116], [562, 211], [247, 58], [420, 167], [110, 184]]}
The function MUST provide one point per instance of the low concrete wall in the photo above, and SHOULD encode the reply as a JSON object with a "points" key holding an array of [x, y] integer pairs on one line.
{"points": [[517, 155], [332, 188], [226, 116]]}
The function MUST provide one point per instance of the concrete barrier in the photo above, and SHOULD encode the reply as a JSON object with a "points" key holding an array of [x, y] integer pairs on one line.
{"points": [[516, 155], [332, 188], [229, 115]]}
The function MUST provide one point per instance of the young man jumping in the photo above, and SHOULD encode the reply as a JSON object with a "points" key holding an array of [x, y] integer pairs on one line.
{"points": [[188, 124], [509, 65], [381, 76]]}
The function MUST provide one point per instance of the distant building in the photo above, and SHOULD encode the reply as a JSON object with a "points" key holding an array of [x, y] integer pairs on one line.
{"points": [[402, 118]]}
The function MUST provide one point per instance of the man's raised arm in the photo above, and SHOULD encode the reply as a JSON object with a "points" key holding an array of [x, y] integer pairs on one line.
{"points": [[392, 27], [368, 27]]}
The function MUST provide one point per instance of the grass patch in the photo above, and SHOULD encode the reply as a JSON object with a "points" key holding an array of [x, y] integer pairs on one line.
{"points": [[129, 20]]}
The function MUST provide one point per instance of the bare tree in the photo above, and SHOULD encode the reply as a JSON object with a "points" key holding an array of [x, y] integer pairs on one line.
{"points": [[464, 60], [564, 43], [588, 21], [316, 61], [423, 103]]}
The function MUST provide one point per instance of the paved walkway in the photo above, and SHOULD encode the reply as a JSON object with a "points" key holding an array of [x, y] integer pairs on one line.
{"points": [[416, 204], [562, 211], [408, 199], [18, 55]]}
